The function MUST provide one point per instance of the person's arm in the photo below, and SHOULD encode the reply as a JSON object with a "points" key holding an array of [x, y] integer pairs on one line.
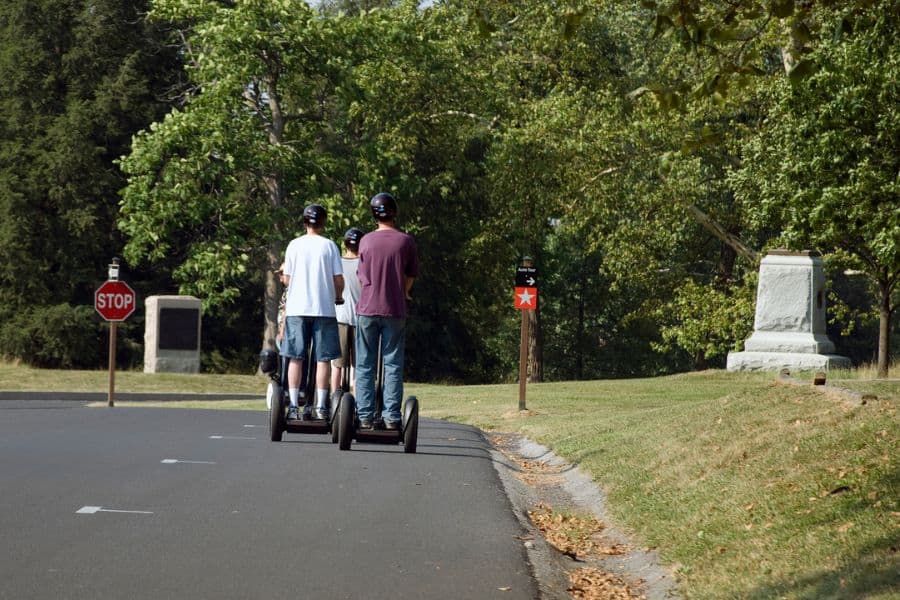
{"points": [[407, 286], [338, 289]]}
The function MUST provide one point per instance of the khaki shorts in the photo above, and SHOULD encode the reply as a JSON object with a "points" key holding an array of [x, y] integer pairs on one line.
{"points": [[346, 336]]}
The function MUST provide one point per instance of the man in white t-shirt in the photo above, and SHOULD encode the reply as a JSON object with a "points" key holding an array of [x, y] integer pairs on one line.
{"points": [[312, 267]]}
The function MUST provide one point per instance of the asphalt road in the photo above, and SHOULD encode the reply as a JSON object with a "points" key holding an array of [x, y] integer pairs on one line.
{"points": [[171, 503]]}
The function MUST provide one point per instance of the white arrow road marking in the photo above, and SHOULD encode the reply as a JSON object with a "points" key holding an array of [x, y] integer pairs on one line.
{"points": [[172, 461], [90, 510], [230, 437]]}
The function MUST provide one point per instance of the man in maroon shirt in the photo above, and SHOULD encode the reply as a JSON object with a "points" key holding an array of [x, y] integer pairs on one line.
{"points": [[388, 265]]}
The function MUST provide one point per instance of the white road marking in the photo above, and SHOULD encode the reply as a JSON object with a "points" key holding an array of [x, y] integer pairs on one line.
{"points": [[255, 425], [230, 437], [172, 461], [90, 510]]}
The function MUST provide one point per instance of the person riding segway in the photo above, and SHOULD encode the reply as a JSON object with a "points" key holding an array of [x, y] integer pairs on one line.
{"points": [[313, 274], [388, 266]]}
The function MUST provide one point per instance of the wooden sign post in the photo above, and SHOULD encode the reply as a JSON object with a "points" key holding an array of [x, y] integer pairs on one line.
{"points": [[526, 294]]}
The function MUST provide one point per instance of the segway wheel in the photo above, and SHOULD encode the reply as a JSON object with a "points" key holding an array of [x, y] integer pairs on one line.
{"points": [[335, 416], [276, 412], [345, 421], [410, 424]]}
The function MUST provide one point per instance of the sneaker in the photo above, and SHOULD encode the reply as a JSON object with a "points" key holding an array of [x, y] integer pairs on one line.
{"points": [[365, 425], [378, 424], [292, 413], [322, 414], [307, 413], [392, 425]]}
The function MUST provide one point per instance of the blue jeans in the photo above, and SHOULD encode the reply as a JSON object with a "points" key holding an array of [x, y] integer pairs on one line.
{"points": [[392, 334]]}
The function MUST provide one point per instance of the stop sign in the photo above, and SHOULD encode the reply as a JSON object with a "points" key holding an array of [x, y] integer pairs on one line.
{"points": [[114, 300]]}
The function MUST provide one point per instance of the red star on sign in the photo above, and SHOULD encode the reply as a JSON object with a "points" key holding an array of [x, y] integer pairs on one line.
{"points": [[526, 298]]}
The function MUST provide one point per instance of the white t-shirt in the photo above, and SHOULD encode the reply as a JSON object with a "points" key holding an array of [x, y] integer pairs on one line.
{"points": [[346, 312], [311, 261]]}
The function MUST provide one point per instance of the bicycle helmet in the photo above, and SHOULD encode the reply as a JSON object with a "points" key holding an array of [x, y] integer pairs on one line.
{"points": [[384, 206], [314, 214], [352, 237]]}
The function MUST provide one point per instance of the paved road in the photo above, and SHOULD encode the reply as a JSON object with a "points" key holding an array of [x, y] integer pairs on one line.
{"points": [[170, 503]]}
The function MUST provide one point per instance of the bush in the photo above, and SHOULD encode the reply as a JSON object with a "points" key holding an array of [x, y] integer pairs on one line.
{"points": [[57, 336]]}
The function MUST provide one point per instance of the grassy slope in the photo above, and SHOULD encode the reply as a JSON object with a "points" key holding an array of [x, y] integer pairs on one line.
{"points": [[752, 489]]}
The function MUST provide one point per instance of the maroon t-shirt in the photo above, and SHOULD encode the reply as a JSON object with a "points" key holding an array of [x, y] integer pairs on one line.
{"points": [[386, 258]]}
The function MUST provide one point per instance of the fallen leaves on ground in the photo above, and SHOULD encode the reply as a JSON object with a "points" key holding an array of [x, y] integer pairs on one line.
{"points": [[570, 534], [590, 583]]}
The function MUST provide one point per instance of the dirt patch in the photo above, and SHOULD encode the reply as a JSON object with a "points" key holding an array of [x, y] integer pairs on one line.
{"points": [[574, 551]]}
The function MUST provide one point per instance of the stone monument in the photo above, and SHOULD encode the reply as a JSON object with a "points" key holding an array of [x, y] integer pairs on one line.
{"points": [[172, 334], [789, 327]]}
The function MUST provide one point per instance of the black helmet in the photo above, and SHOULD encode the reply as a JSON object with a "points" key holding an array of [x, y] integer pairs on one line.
{"points": [[314, 214], [352, 237], [384, 207]]}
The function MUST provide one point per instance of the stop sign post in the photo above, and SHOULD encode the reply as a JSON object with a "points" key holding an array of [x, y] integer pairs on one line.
{"points": [[115, 301]]}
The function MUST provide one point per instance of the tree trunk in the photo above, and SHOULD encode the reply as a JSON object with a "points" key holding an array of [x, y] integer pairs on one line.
{"points": [[271, 298], [274, 185], [884, 328], [535, 347], [579, 331]]}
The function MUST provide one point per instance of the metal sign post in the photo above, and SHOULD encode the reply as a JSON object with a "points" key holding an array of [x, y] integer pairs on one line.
{"points": [[526, 294]]}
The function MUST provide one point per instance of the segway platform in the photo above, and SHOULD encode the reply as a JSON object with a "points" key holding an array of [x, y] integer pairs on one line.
{"points": [[348, 429], [309, 426], [275, 367]]}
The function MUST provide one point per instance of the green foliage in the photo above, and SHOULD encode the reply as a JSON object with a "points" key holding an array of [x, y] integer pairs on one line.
{"points": [[706, 322], [60, 336], [824, 168], [643, 155], [79, 78]]}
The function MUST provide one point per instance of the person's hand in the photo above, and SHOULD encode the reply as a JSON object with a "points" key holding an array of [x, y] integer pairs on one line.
{"points": [[338, 301]]}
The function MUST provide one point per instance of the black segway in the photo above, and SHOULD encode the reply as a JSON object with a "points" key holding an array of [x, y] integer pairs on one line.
{"points": [[278, 401], [348, 422]]}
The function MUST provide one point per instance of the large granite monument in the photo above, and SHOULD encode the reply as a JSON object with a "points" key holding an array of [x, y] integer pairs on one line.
{"points": [[172, 334], [789, 328]]}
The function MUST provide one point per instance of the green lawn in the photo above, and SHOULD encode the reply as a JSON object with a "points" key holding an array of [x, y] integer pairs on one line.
{"points": [[749, 489]]}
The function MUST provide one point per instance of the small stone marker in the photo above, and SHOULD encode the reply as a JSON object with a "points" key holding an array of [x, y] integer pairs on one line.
{"points": [[172, 334]]}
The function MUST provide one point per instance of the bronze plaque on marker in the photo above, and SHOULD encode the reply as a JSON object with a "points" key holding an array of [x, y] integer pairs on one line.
{"points": [[178, 328]]}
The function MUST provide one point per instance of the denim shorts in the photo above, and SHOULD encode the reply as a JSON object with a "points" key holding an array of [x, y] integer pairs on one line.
{"points": [[322, 331]]}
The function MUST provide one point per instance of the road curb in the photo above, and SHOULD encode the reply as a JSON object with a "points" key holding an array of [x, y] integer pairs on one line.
{"points": [[125, 396]]}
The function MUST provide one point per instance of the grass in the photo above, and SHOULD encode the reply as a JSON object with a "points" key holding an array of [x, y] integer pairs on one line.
{"points": [[749, 489], [15, 377]]}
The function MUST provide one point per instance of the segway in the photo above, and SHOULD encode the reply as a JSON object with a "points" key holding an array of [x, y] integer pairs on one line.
{"points": [[278, 400], [348, 427]]}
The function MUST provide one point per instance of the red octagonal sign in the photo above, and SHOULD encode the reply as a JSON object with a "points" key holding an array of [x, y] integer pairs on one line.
{"points": [[114, 300]]}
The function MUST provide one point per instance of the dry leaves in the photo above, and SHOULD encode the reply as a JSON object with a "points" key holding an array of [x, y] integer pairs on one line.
{"points": [[572, 534], [593, 584]]}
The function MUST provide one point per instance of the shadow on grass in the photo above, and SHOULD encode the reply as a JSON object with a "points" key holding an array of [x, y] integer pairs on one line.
{"points": [[873, 570], [876, 570]]}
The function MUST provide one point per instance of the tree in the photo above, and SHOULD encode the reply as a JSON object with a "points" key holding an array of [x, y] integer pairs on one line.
{"points": [[221, 180], [826, 164], [79, 79]]}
